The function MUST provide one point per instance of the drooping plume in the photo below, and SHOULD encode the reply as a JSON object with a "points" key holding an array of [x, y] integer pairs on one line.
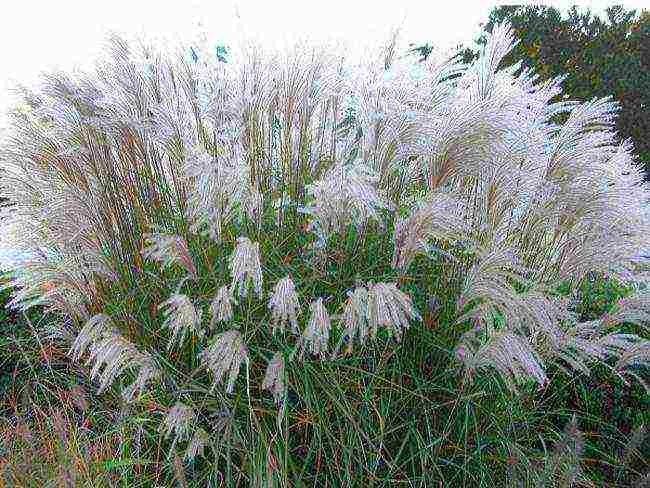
{"points": [[316, 335], [225, 356], [181, 318], [284, 305], [245, 268], [221, 306]]}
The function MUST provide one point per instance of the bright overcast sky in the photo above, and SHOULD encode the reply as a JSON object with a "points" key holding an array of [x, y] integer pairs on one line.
{"points": [[38, 35]]}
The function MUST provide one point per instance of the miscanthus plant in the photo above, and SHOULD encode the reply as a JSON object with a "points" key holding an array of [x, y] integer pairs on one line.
{"points": [[274, 208]]}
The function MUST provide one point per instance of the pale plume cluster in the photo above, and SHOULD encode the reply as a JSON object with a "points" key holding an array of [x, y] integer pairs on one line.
{"points": [[355, 317], [221, 306], [219, 189], [440, 216], [224, 357], [111, 354], [179, 423], [375, 306], [390, 308], [347, 194], [245, 268], [168, 249], [181, 318], [274, 378], [284, 305], [316, 335]]}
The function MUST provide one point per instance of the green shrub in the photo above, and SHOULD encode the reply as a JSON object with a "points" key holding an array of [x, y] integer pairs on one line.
{"points": [[301, 270]]}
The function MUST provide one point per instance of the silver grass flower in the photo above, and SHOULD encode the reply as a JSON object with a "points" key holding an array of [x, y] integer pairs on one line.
{"points": [[197, 444], [509, 354], [284, 305], [585, 343], [225, 356], [634, 309], [178, 423], [354, 318], [274, 378], [92, 331], [345, 195], [218, 188], [637, 355], [221, 306], [316, 334], [252, 205], [168, 249], [111, 354], [147, 373], [390, 308], [441, 216], [181, 318], [245, 268]]}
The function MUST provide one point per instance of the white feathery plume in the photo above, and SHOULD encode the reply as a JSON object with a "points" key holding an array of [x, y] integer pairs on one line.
{"points": [[316, 334], [390, 308], [148, 372], [112, 354], [510, 354], [284, 305], [91, 331], [178, 423], [347, 194], [252, 204], [221, 306], [355, 318], [274, 382], [441, 216], [587, 342], [637, 355], [274, 378], [245, 267], [168, 249], [215, 192], [225, 355], [181, 317], [634, 309]]}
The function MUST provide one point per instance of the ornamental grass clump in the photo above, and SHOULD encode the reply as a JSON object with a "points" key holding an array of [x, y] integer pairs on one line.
{"points": [[281, 182]]}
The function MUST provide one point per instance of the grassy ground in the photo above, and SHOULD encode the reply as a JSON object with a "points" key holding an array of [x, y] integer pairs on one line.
{"points": [[386, 416]]}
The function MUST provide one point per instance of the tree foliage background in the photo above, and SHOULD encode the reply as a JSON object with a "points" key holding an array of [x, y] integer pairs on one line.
{"points": [[601, 56]]}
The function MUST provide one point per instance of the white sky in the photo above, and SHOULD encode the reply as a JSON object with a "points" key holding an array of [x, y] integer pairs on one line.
{"points": [[36, 35]]}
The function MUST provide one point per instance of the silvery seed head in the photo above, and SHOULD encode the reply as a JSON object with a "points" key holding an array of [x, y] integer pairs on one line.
{"points": [[316, 335], [181, 318], [221, 306], [225, 356], [390, 308], [274, 378], [178, 422], [284, 305], [355, 318], [168, 249], [245, 268]]}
